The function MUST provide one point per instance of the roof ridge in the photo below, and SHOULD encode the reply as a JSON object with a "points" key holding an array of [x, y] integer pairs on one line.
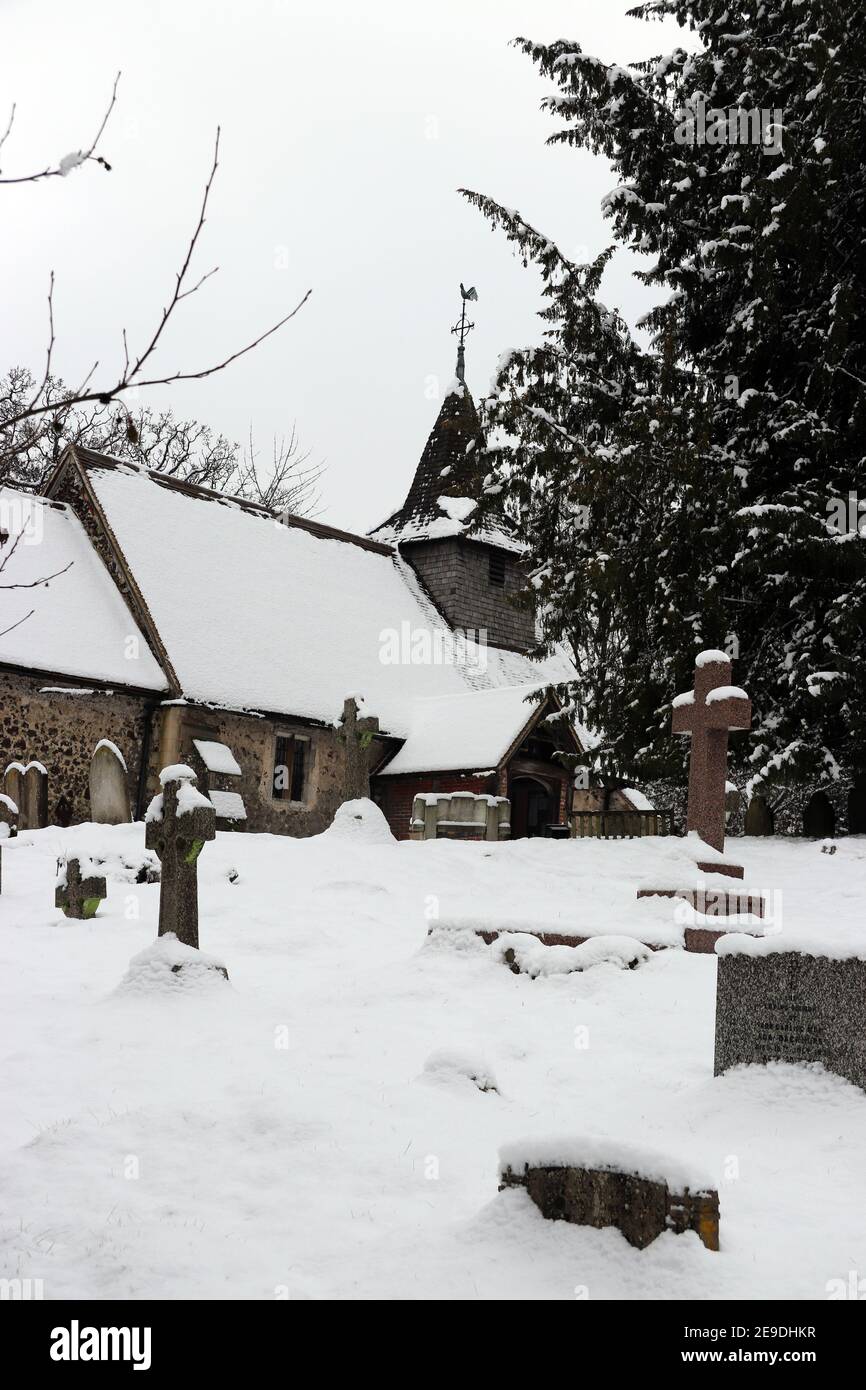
{"points": [[90, 458]]}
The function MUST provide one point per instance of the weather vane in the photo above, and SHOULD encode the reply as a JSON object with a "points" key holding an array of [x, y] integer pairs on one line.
{"points": [[462, 328]]}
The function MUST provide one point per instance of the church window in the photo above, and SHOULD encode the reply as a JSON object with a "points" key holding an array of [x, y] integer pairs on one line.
{"points": [[290, 767], [496, 571]]}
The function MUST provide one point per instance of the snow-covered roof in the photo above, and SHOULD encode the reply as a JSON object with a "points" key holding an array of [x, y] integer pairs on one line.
{"points": [[442, 499], [469, 731], [255, 614], [76, 623]]}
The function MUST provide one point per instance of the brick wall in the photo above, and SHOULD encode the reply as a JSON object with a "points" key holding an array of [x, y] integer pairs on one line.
{"points": [[395, 795], [457, 574]]}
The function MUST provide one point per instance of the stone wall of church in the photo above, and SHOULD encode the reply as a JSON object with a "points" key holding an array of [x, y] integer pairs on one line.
{"points": [[457, 574], [62, 731], [253, 742]]}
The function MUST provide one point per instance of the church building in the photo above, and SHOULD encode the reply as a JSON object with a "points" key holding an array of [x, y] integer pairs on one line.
{"points": [[146, 621]]}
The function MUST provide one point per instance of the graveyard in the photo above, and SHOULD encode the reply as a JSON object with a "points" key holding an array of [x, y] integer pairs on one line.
{"points": [[327, 1122], [432, 671]]}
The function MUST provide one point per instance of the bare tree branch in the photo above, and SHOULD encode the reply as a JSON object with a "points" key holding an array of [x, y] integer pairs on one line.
{"points": [[12, 626], [70, 161], [45, 402]]}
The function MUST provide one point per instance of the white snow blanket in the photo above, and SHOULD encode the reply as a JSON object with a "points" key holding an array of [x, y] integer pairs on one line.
{"points": [[293, 1133]]}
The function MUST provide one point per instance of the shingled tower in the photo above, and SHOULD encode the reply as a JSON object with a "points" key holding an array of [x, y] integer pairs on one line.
{"points": [[473, 571]]}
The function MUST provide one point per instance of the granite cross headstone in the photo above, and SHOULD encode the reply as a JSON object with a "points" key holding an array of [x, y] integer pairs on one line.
{"points": [[178, 822], [79, 896], [708, 713]]}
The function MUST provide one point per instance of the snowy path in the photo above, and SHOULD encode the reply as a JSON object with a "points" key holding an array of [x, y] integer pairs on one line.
{"points": [[334, 1167]]}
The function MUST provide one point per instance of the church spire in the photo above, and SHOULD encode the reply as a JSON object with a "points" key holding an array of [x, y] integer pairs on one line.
{"points": [[462, 328]]}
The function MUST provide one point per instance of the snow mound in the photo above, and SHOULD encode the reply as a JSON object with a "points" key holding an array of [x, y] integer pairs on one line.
{"points": [[169, 966], [528, 956], [449, 1065], [361, 821]]}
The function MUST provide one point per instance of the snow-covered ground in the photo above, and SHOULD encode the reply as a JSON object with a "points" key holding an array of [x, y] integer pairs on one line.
{"points": [[313, 1128]]}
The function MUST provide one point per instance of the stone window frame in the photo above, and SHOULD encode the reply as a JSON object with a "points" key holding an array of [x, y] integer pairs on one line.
{"points": [[295, 736]]}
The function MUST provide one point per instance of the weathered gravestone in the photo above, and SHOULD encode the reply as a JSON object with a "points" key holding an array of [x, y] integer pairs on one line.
{"points": [[13, 787], [79, 895], [34, 809], [819, 818], [356, 735], [759, 817], [8, 826], [109, 790], [787, 1006], [598, 1190], [179, 821]]}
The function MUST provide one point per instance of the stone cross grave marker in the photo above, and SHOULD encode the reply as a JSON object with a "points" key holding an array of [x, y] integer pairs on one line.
{"points": [[357, 735], [709, 713], [787, 1006], [78, 896], [178, 822]]}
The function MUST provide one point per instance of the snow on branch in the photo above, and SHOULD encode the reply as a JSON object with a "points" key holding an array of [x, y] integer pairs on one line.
{"points": [[70, 161]]}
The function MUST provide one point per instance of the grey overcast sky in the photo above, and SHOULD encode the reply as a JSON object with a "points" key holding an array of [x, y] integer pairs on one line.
{"points": [[347, 128]]}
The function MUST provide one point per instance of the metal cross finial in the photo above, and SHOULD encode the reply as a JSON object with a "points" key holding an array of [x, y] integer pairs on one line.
{"points": [[462, 328]]}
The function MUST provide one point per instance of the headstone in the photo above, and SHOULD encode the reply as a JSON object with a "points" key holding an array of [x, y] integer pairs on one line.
{"points": [[8, 826], [819, 818], [79, 895], [618, 1194], [35, 793], [759, 817], [786, 1006], [460, 816], [857, 808], [109, 789], [356, 735], [13, 786], [709, 713], [179, 821]]}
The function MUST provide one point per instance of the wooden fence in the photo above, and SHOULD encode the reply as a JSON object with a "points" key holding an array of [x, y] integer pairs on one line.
{"points": [[621, 825]]}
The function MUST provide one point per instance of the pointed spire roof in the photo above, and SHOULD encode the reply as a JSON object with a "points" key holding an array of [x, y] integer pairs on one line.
{"points": [[450, 474]]}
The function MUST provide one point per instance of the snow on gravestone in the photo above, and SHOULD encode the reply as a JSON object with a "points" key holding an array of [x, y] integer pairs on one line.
{"points": [[13, 787], [599, 1182], [776, 1005], [8, 826], [78, 889], [709, 713], [35, 805], [109, 790], [178, 821]]}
